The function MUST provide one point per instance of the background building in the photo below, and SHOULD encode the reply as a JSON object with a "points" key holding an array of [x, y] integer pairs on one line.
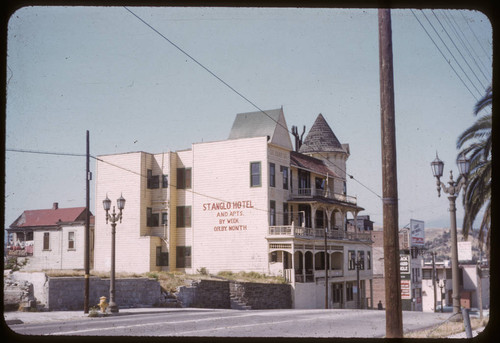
{"points": [[50, 238]]}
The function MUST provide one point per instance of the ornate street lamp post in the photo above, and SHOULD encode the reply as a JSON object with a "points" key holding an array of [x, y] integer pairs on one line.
{"points": [[113, 218], [453, 190]]}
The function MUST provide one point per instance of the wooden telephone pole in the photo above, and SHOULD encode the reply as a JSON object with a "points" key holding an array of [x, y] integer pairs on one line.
{"points": [[87, 233], [394, 314]]}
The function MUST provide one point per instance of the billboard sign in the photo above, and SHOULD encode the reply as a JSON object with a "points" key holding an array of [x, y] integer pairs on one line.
{"points": [[417, 233], [464, 251]]}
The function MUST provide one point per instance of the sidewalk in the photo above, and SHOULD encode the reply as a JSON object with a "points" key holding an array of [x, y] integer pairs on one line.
{"points": [[18, 317]]}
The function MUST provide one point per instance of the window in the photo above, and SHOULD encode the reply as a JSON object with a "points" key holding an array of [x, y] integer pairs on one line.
{"points": [[153, 180], [71, 240], [319, 183], [349, 293], [337, 293], [427, 274], [368, 260], [29, 235], [183, 257], [152, 219], [183, 178], [255, 174], [164, 181], [272, 175], [183, 216], [285, 213], [284, 172], [272, 213], [46, 241], [345, 188], [161, 257], [274, 256], [361, 259], [320, 219], [164, 218], [351, 260]]}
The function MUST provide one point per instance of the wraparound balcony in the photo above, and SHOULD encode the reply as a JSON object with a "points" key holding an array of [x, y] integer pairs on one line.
{"points": [[314, 192], [292, 231]]}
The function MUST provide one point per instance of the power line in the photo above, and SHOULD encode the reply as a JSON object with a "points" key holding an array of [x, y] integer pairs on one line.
{"points": [[453, 42], [456, 28], [442, 54], [240, 94], [449, 51], [46, 152], [477, 39]]}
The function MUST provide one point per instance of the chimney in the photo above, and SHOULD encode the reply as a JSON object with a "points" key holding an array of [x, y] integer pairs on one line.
{"points": [[55, 206]]}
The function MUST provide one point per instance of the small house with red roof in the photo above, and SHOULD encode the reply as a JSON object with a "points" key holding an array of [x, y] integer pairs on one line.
{"points": [[50, 238]]}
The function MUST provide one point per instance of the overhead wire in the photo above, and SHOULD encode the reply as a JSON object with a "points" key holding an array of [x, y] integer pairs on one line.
{"points": [[443, 55], [449, 51], [477, 39], [467, 47], [241, 95], [453, 42]]}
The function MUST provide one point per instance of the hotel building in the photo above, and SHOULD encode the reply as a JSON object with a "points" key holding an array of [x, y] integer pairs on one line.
{"points": [[248, 203]]}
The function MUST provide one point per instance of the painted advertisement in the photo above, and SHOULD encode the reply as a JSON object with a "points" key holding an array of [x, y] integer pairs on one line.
{"points": [[417, 230]]}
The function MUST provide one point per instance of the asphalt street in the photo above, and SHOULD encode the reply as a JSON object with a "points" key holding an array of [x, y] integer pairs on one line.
{"points": [[192, 322]]}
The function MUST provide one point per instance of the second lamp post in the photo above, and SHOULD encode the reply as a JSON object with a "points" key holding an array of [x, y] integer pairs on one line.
{"points": [[113, 218], [453, 189]]}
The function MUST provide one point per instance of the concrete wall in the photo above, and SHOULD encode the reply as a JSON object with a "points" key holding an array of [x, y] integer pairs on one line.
{"points": [[205, 294], [67, 293], [263, 296]]}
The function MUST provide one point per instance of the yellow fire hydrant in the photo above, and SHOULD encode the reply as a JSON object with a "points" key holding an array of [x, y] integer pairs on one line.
{"points": [[103, 304]]}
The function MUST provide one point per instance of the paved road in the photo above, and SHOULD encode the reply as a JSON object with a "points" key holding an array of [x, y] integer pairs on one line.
{"points": [[218, 323]]}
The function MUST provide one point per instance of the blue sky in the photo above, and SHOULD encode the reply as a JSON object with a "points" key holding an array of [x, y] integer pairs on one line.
{"points": [[72, 69]]}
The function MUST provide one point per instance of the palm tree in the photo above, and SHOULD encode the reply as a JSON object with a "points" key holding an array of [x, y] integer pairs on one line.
{"points": [[476, 142]]}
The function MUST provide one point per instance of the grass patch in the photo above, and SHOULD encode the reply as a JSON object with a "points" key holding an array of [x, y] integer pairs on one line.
{"points": [[446, 329], [251, 277], [170, 281]]}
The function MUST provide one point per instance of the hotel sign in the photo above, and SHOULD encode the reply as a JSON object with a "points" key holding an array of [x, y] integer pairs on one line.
{"points": [[229, 216]]}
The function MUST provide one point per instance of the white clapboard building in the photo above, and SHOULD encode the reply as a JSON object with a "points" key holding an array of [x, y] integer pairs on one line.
{"points": [[248, 203]]}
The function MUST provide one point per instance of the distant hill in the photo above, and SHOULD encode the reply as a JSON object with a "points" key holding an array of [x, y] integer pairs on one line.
{"points": [[439, 240]]}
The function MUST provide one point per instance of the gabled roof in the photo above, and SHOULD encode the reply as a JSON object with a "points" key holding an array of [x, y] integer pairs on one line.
{"points": [[310, 163], [269, 123], [49, 217], [255, 124], [320, 138]]}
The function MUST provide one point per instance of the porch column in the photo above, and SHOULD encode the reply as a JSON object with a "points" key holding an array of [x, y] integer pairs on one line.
{"points": [[304, 265], [293, 264], [371, 294], [313, 217]]}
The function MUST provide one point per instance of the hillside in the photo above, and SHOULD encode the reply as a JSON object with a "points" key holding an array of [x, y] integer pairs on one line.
{"points": [[439, 240]]}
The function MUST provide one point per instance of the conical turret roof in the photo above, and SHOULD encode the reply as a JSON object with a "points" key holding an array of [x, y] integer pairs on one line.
{"points": [[320, 138]]}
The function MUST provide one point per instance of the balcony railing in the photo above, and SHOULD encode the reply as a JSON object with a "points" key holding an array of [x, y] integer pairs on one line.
{"points": [[312, 192], [20, 250], [306, 232], [310, 275]]}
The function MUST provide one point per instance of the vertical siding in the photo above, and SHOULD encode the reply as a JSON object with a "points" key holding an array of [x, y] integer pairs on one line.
{"points": [[221, 174]]}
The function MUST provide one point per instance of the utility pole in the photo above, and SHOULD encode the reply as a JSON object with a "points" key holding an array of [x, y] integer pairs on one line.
{"points": [[86, 256], [326, 270], [394, 314], [434, 278]]}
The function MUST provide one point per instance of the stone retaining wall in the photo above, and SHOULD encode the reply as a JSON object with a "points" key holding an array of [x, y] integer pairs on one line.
{"points": [[205, 294], [261, 296], [67, 293]]}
